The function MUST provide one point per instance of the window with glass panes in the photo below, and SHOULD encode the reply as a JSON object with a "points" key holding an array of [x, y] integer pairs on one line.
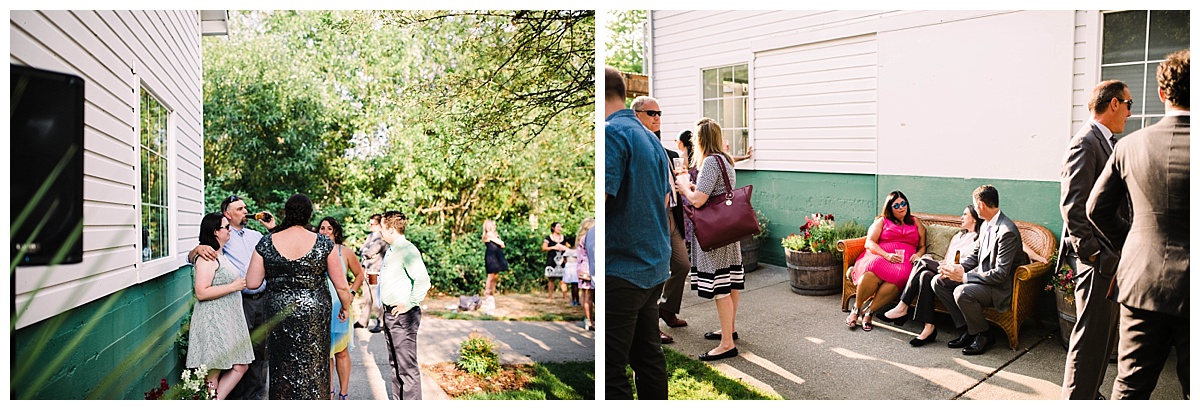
{"points": [[726, 99], [1134, 43], [155, 227]]}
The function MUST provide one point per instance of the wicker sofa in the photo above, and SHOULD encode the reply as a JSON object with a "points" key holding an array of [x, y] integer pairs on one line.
{"points": [[1028, 281]]}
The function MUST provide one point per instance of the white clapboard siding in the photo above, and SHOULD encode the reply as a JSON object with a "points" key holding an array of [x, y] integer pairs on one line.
{"points": [[901, 82], [117, 53], [1086, 67], [825, 120]]}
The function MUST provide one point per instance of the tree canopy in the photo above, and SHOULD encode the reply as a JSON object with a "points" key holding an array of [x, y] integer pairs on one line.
{"points": [[452, 117]]}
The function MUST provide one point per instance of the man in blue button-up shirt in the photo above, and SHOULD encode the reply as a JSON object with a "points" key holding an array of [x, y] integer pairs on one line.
{"points": [[637, 247], [238, 250]]}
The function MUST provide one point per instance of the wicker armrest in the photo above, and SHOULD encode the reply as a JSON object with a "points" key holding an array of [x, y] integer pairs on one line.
{"points": [[850, 249], [1031, 271]]}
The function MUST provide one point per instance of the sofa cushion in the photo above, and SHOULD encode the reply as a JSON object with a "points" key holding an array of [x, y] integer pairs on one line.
{"points": [[937, 240]]}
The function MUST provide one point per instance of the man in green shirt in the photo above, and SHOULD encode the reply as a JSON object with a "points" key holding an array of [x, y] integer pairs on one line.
{"points": [[403, 283]]}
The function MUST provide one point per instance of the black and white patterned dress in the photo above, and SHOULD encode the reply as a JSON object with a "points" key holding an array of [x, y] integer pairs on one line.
{"points": [[718, 271]]}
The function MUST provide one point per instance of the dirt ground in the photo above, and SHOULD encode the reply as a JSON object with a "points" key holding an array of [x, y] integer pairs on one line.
{"points": [[458, 383], [513, 306]]}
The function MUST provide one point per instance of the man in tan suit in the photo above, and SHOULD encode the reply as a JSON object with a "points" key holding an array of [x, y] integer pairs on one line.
{"points": [[1151, 168]]}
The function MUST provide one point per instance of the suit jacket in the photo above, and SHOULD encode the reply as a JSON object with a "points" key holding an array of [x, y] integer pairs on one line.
{"points": [[1082, 163], [1151, 167], [997, 260], [677, 210]]}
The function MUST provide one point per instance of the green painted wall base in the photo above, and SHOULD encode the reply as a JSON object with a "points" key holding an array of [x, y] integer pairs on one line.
{"points": [[785, 198], [117, 347]]}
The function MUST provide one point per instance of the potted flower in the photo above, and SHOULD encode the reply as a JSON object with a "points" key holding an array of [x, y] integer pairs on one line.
{"points": [[750, 245], [1062, 283], [192, 386], [813, 261]]}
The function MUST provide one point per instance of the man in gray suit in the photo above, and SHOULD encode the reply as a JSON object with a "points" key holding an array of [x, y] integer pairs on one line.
{"points": [[985, 278], [1151, 167], [1088, 254]]}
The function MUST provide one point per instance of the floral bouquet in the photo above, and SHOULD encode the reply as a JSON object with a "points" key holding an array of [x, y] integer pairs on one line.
{"points": [[1063, 280], [192, 386], [820, 234]]}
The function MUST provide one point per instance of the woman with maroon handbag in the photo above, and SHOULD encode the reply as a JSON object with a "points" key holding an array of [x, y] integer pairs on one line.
{"points": [[717, 273]]}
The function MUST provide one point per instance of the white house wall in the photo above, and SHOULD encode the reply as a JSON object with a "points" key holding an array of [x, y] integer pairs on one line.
{"points": [[117, 53], [977, 98], [943, 82]]}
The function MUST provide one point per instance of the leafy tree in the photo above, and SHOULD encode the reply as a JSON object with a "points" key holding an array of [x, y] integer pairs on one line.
{"points": [[451, 117], [624, 47]]}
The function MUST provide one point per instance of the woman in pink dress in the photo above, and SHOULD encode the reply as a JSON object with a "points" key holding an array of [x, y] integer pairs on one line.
{"points": [[894, 240]]}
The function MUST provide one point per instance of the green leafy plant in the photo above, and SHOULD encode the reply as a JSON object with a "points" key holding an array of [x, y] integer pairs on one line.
{"points": [[763, 222], [820, 234], [478, 355]]}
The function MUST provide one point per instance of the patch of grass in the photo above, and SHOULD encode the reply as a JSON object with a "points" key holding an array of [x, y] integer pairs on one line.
{"points": [[691, 379], [551, 381]]}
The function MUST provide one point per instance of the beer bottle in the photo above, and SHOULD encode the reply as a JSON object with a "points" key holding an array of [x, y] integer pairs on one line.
{"points": [[956, 255], [262, 216]]}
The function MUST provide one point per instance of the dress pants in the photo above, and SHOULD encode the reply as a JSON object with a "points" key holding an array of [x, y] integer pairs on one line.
{"points": [[631, 338], [1146, 339], [672, 296], [918, 291], [1095, 332], [253, 385], [965, 302], [400, 332]]}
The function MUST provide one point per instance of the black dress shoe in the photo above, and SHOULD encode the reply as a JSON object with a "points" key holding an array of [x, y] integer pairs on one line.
{"points": [[982, 342], [962, 341], [376, 329], [900, 321], [705, 357], [918, 342], [717, 336]]}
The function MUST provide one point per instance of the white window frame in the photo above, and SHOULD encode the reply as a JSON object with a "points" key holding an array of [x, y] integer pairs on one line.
{"points": [[1148, 94], [747, 61], [149, 269]]}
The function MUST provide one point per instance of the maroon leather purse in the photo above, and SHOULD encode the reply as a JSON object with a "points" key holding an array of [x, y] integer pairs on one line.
{"points": [[724, 219]]}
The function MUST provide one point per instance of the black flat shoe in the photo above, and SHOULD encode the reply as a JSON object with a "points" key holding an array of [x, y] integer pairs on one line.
{"points": [[717, 336], [900, 321], [918, 342], [705, 357]]}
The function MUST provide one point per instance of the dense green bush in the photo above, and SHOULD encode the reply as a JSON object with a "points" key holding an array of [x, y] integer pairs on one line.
{"points": [[478, 355], [456, 265]]}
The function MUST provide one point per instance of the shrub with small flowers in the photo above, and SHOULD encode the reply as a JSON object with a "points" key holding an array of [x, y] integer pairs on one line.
{"points": [[192, 386], [820, 234], [1063, 281]]}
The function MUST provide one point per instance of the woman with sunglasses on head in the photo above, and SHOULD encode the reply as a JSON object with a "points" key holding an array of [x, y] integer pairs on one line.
{"points": [[219, 338], [894, 241], [919, 288], [339, 330]]}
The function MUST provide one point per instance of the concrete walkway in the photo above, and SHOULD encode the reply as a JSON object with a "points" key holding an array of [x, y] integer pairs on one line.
{"points": [[799, 347], [438, 341]]}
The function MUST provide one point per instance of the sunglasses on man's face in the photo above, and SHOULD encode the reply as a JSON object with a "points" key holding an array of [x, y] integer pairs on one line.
{"points": [[651, 113], [1128, 104], [899, 204]]}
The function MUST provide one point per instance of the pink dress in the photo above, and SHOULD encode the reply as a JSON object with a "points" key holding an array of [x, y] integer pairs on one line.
{"points": [[893, 237]]}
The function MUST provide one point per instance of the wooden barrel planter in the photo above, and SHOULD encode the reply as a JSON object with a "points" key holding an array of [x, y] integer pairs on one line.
{"points": [[749, 254], [814, 273], [1066, 318]]}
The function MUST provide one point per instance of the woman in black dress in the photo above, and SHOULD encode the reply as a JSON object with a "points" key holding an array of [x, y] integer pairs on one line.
{"points": [[295, 262], [493, 258], [555, 245]]}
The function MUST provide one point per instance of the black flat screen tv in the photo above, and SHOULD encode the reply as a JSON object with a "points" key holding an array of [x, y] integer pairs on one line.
{"points": [[46, 163]]}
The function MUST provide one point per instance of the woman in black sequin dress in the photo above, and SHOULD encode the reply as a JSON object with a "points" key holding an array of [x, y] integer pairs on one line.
{"points": [[294, 262]]}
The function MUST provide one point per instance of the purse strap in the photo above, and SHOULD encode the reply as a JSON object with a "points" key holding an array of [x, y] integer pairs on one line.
{"points": [[724, 176]]}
